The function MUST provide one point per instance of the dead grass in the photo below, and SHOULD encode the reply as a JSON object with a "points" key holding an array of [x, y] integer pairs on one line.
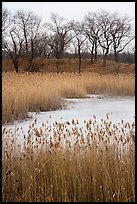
{"points": [[71, 65], [40, 92], [94, 163], [63, 162]]}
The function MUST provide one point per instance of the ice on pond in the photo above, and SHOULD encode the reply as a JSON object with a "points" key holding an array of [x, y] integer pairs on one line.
{"points": [[119, 109]]}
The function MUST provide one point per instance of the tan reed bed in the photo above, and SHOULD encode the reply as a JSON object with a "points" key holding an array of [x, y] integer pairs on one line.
{"points": [[66, 162], [40, 92]]}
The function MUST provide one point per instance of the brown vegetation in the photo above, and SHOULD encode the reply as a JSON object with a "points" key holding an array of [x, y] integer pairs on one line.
{"points": [[26, 92], [62, 162], [71, 65], [92, 163]]}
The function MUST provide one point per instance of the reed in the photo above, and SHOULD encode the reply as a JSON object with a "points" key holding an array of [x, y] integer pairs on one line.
{"points": [[41, 92], [65, 162]]}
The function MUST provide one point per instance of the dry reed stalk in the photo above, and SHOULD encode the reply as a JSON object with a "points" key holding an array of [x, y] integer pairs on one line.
{"points": [[101, 170], [40, 92]]}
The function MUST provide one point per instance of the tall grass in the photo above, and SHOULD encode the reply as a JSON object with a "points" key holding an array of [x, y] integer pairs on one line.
{"points": [[40, 92], [65, 162]]}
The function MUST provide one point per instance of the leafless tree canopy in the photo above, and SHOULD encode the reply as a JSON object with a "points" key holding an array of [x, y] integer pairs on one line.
{"points": [[13, 48], [91, 30], [121, 34], [80, 39], [24, 35], [60, 35]]}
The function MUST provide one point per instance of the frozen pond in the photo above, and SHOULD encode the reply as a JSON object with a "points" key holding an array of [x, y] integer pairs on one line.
{"points": [[121, 108]]}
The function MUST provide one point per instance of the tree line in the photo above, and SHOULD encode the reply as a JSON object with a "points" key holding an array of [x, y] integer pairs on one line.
{"points": [[25, 36]]}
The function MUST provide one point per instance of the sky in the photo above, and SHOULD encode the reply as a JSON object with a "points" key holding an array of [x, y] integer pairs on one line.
{"points": [[71, 10]]}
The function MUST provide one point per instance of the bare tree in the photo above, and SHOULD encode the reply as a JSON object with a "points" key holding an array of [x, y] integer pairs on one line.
{"points": [[80, 38], [21, 18], [34, 37], [13, 46], [59, 37], [121, 33], [29, 24], [105, 21], [42, 49], [91, 30]]}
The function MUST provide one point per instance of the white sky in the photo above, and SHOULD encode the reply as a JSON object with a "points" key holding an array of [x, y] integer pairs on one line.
{"points": [[71, 10]]}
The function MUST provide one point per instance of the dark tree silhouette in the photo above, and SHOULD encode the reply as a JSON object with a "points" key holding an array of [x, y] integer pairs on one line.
{"points": [[91, 29], [60, 36]]}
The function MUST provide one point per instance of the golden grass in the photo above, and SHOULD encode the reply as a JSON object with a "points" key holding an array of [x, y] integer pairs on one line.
{"points": [[25, 92], [63, 162]]}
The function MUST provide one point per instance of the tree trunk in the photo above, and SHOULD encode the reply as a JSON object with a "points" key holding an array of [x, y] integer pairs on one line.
{"points": [[104, 60], [16, 68], [117, 64], [91, 58], [95, 52], [16, 65], [92, 53], [57, 65], [80, 64], [30, 64], [105, 57], [116, 57], [31, 57], [95, 56], [26, 41], [79, 56]]}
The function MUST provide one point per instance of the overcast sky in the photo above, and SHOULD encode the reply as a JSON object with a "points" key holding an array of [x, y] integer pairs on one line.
{"points": [[72, 10]]}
